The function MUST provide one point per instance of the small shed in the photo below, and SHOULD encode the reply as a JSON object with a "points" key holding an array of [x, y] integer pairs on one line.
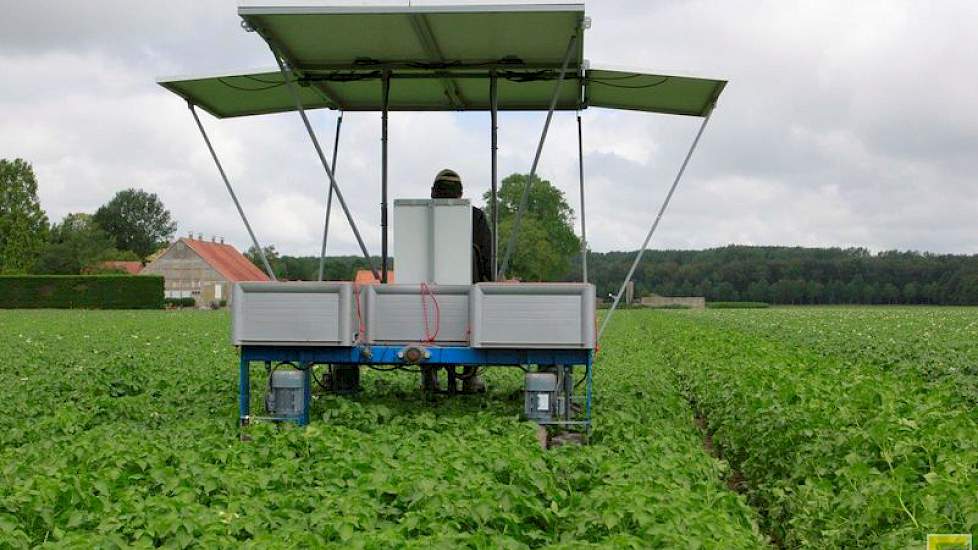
{"points": [[202, 270], [366, 277], [132, 268]]}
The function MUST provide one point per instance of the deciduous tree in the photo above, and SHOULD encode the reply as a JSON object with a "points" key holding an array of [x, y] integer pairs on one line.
{"points": [[137, 221], [546, 243], [23, 224]]}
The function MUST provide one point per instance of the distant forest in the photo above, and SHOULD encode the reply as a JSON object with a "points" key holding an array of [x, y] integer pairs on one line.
{"points": [[779, 275]]}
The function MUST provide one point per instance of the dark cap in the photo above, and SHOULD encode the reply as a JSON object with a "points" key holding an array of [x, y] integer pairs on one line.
{"points": [[448, 185]]}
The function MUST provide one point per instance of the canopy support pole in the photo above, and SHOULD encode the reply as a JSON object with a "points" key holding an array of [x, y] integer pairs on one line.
{"points": [[224, 176], [580, 163], [494, 202], [290, 84], [655, 224], [511, 243], [383, 176], [329, 198]]}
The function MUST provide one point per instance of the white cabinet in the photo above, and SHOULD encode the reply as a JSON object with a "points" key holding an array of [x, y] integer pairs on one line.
{"points": [[433, 241]]}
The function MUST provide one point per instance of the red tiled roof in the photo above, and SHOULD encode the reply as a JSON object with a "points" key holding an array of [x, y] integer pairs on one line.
{"points": [[366, 277], [132, 268], [226, 260]]}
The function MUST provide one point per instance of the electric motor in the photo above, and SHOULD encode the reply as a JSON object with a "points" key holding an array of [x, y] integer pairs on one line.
{"points": [[286, 395], [540, 395]]}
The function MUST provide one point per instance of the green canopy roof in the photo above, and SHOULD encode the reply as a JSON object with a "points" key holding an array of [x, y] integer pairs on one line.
{"points": [[262, 91], [654, 93], [482, 36], [439, 58]]}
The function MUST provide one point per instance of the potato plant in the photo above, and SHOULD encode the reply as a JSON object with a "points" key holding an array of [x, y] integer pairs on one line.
{"points": [[120, 430], [851, 426]]}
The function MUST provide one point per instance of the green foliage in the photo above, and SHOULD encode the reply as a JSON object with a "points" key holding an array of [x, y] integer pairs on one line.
{"points": [[546, 243], [853, 428], [126, 435], [738, 305], [792, 275], [137, 221], [75, 245], [81, 291], [180, 302], [23, 224]]}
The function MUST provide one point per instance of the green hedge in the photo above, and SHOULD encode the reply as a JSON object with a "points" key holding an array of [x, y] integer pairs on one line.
{"points": [[737, 305], [81, 291]]}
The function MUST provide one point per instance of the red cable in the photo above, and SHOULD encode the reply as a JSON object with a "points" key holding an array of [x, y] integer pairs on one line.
{"points": [[360, 324], [428, 337]]}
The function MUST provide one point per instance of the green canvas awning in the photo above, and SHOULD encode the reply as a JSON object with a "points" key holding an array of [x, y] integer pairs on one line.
{"points": [[653, 93], [263, 91]]}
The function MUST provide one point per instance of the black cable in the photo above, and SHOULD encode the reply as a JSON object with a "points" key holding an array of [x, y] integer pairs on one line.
{"points": [[381, 369], [636, 87], [321, 382], [243, 89], [256, 79], [623, 77]]}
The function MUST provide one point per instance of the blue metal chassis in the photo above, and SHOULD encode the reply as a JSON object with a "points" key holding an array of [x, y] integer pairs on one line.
{"points": [[388, 356]]}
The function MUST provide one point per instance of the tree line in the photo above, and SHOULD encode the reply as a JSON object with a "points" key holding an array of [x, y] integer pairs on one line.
{"points": [[130, 227], [134, 225], [792, 275]]}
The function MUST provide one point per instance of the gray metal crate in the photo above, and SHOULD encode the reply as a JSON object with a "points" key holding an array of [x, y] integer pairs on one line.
{"points": [[532, 315], [292, 313], [395, 314]]}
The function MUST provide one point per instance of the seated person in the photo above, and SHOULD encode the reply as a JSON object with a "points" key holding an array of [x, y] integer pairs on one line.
{"points": [[448, 185]]}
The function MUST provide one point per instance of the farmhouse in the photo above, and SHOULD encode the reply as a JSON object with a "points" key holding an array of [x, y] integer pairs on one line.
{"points": [[202, 270]]}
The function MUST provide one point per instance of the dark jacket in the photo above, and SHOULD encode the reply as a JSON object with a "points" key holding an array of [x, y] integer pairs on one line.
{"points": [[481, 247]]}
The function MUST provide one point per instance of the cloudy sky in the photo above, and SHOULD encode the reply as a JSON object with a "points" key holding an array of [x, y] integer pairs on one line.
{"points": [[844, 123]]}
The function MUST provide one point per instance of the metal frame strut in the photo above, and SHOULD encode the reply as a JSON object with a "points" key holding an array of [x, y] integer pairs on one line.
{"points": [[290, 84], [655, 224], [329, 198], [511, 242], [580, 163], [383, 176], [224, 176], [494, 190]]}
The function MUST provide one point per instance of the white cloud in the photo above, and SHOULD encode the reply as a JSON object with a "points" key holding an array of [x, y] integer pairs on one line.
{"points": [[843, 124]]}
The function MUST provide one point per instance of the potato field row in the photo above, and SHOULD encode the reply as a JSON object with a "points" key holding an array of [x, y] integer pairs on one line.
{"points": [[122, 432], [807, 427]]}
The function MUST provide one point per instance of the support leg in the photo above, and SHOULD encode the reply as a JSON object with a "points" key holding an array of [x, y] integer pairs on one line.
{"points": [[587, 398], [383, 171], [329, 197], [307, 395], [244, 392], [655, 224], [580, 164], [493, 190]]}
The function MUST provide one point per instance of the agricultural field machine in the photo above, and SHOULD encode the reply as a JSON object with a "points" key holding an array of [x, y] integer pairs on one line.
{"points": [[488, 58]]}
